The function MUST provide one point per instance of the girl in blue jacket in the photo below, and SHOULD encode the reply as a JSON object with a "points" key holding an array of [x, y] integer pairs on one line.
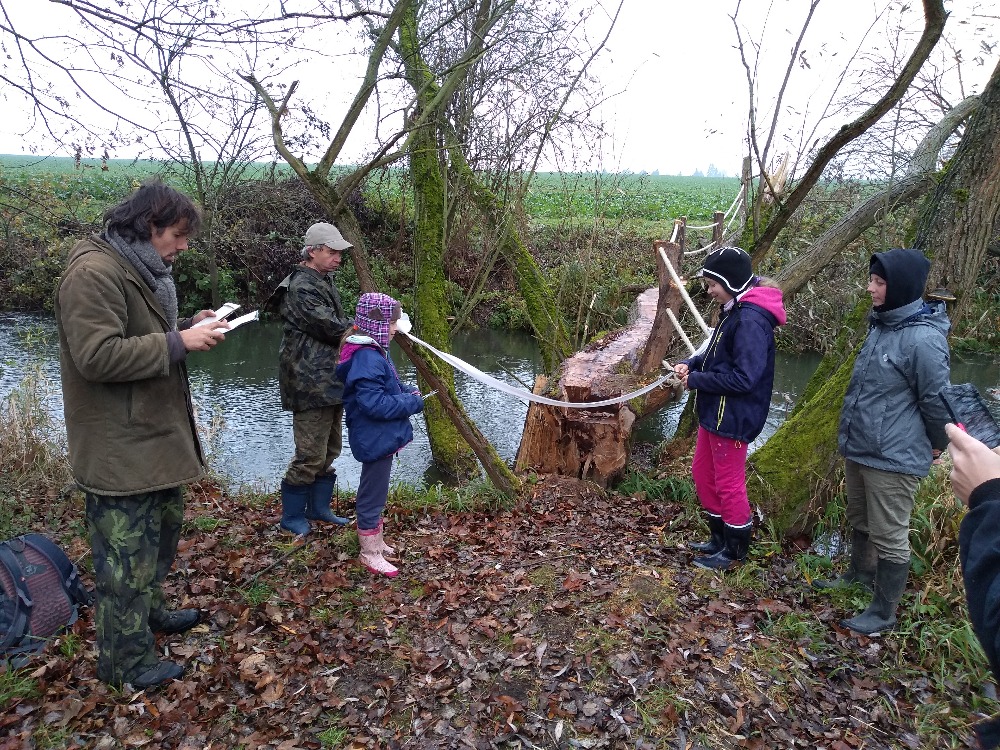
{"points": [[377, 410], [732, 379]]}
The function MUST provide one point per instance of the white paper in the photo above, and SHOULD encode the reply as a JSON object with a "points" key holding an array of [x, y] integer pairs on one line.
{"points": [[237, 322], [218, 315]]}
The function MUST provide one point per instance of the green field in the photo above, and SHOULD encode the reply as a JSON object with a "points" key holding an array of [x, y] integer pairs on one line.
{"points": [[553, 198], [591, 232], [649, 198]]}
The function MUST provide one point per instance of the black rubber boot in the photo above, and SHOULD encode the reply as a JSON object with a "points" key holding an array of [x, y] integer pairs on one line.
{"points": [[890, 582], [178, 621], [864, 558], [718, 539], [734, 552], [318, 508]]}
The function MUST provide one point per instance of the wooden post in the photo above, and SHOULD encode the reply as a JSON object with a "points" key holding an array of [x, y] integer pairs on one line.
{"points": [[680, 227], [662, 332], [718, 218]]}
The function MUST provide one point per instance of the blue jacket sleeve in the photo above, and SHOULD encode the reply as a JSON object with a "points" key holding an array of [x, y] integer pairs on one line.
{"points": [[376, 389]]}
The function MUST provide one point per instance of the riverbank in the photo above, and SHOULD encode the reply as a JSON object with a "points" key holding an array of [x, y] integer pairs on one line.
{"points": [[571, 619]]}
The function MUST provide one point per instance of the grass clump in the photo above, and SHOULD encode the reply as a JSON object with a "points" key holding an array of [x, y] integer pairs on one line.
{"points": [[33, 460], [478, 495], [675, 489], [256, 593], [14, 684]]}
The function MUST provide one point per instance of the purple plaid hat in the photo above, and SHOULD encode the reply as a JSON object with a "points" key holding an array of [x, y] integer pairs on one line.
{"points": [[374, 313]]}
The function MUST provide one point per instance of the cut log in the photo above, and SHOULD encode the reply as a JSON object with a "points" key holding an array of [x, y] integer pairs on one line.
{"points": [[594, 444]]}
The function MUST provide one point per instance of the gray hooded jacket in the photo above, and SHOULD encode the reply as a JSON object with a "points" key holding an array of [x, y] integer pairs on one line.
{"points": [[892, 414]]}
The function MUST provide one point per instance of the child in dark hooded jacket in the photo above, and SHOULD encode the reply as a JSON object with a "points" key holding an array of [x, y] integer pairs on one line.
{"points": [[377, 411], [732, 378]]}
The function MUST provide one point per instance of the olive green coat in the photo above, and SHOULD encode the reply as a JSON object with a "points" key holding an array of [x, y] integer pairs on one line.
{"points": [[129, 418], [314, 324]]}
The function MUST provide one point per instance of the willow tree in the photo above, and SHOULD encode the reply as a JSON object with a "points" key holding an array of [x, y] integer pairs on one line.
{"points": [[934, 23], [489, 132], [429, 207], [960, 221]]}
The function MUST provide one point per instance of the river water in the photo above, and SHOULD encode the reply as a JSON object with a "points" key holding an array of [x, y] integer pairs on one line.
{"points": [[249, 438]]}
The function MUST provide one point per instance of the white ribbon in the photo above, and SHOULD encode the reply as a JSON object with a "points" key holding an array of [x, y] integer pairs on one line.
{"points": [[523, 394]]}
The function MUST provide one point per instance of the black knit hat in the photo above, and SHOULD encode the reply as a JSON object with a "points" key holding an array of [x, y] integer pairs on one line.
{"points": [[730, 266]]}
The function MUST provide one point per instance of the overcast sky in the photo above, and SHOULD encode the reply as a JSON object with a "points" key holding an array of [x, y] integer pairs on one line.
{"points": [[679, 88], [686, 101]]}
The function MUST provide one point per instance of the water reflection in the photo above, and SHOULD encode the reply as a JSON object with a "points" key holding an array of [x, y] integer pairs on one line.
{"points": [[791, 374], [249, 437]]}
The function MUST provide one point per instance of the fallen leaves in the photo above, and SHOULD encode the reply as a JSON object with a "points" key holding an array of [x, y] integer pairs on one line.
{"points": [[562, 623]]}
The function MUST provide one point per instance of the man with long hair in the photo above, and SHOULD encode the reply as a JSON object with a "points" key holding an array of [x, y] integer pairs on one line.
{"points": [[129, 419]]}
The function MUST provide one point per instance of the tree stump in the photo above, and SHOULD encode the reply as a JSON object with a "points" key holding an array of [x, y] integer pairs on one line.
{"points": [[594, 444]]}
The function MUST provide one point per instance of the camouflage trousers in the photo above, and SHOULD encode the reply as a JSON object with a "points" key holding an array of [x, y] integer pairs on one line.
{"points": [[318, 443], [134, 542]]}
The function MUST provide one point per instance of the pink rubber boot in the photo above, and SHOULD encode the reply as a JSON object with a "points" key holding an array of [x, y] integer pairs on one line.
{"points": [[371, 553], [386, 549]]}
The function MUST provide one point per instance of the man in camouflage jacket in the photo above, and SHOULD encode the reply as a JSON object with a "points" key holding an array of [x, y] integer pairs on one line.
{"points": [[129, 419], [314, 324]]}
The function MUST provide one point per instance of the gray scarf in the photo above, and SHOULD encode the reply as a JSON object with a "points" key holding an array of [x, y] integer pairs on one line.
{"points": [[154, 271]]}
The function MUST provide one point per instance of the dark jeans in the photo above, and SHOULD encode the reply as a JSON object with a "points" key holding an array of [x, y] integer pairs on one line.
{"points": [[373, 492]]}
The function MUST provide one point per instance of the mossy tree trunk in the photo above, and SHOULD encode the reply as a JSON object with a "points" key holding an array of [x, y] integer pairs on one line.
{"points": [[958, 222], [797, 471], [452, 452]]}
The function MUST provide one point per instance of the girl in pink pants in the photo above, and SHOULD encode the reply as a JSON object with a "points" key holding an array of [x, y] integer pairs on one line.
{"points": [[731, 377]]}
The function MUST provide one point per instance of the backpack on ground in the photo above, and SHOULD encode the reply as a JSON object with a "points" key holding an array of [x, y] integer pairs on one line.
{"points": [[40, 589]]}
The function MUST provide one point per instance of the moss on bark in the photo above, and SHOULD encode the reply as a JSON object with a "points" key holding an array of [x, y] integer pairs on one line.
{"points": [[798, 470], [451, 453], [851, 334]]}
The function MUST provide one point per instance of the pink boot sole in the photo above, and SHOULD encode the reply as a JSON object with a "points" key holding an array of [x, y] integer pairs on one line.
{"points": [[387, 574]]}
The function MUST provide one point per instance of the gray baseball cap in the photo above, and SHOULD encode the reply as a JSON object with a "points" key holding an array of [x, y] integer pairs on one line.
{"points": [[326, 234]]}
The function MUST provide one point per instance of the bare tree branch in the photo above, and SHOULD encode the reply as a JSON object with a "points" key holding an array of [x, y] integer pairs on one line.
{"points": [[918, 179], [934, 21]]}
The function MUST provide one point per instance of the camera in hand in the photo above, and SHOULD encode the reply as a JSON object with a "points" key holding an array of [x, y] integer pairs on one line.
{"points": [[969, 411]]}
